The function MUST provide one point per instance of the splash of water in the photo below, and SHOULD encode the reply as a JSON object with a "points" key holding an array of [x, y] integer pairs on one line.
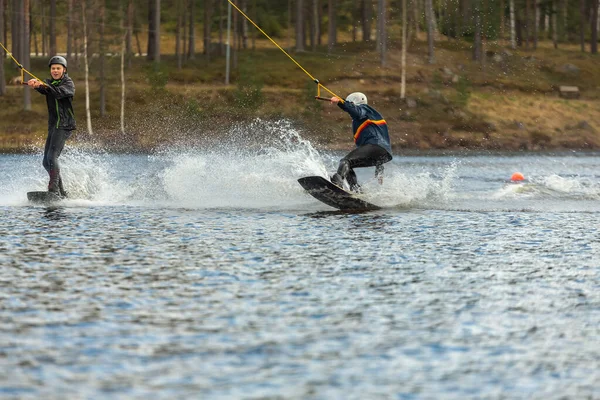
{"points": [[402, 189], [553, 186], [250, 166]]}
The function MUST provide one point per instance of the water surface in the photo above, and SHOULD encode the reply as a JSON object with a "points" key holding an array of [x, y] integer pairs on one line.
{"points": [[211, 274]]}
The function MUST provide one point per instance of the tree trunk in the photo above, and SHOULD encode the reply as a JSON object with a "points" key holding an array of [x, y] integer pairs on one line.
{"points": [[299, 25], [484, 24], [433, 20], [151, 30], [565, 19], [453, 21], [228, 44], [477, 33], [254, 16], [555, 23], [316, 28], [429, 16], [25, 48], [582, 24], [221, 28], [417, 17], [234, 56], [376, 20], [157, 32], [192, 34], [33, 32], [519, 29], [2, 55], [178, 34], [382, 37], [332, 34], [76, 36], [536, 23], [441, 12], [186, 35], [128, 38], [513, 35], [44, 30], [16, 28], [594, 33], [319, 22], [316, 24], [32, 35], [502, 22], [138, 44], [69, 29], [543, 25], [4, 32], [52, 23], [465, 17], [244, 31], [527, 24], [289, 27], [309, 29], [378, 28], [207, 26], [354, 14], [403, 59], [86, 69], [102, 55], [366, 20]]}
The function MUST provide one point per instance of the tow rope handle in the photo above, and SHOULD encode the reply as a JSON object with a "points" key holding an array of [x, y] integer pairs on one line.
{"points": [[21, 67]]}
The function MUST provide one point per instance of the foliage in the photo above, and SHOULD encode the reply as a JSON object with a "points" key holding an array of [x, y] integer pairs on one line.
{"points": [[271, 24], [463, 91], [193, 110], [248, 93], [313, 107], [157, 76], [436, 81]]}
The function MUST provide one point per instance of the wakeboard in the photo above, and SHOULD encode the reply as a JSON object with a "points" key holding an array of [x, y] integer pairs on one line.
{"points": [[43, 197], [332, 195]]}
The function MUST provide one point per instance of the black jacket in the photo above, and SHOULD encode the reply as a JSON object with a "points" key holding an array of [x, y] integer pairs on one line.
{"points": [[59, 97], [368, 126]]}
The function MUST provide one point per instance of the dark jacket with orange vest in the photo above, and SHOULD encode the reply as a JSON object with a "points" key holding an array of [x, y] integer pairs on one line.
{"points": [[59, 98], [368, 125]]}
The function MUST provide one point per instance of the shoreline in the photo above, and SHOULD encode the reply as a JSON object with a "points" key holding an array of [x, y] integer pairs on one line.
{"points": [[32, 149], [511, 105]]}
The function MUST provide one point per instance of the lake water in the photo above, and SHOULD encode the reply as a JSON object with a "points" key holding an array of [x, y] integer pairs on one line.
{"points": [[195, 273]]}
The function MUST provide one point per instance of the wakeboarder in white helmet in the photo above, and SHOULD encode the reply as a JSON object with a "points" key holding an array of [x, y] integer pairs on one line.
{"points": [[373, 146]]}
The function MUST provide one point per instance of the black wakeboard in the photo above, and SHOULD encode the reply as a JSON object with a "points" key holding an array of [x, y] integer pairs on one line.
{"points": [[332, 195], [43, 197]]}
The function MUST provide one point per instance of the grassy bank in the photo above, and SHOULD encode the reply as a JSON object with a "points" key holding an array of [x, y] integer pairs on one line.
{"points": [[511, 102]]}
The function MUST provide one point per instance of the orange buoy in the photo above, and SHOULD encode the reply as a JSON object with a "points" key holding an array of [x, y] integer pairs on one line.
{"points": [[517, 177]]}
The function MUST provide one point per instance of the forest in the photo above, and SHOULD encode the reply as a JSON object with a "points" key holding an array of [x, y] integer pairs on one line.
{"points": [[434, 63]]}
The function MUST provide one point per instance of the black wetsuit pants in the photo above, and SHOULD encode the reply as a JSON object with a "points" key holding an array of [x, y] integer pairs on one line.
{"points": [[54, 146], [368, 155]]}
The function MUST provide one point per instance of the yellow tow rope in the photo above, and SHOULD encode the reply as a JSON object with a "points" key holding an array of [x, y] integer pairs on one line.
{"points": [[23, 70], [315, 80]]}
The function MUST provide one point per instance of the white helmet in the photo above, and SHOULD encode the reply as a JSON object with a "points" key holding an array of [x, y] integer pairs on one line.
{"points": [[357, 98]]}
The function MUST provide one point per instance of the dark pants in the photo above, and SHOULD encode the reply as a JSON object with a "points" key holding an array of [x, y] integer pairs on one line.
{"points": [[54, 146], [369, 155]]}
